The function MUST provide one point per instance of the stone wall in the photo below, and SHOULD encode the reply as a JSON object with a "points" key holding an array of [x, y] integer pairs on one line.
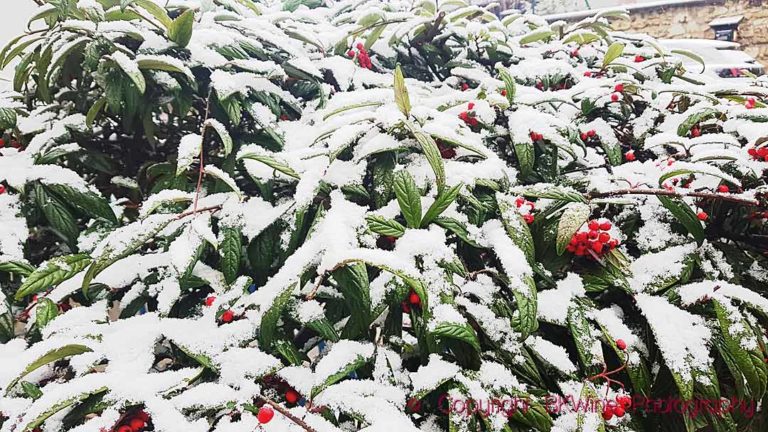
{"points": [[692, 21]]}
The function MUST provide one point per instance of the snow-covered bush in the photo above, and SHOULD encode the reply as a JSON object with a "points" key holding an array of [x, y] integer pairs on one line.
{"points": [[222, 215]]}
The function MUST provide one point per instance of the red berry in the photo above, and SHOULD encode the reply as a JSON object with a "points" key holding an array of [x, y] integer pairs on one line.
{"points": [[360, 46], [752, 152], [136, 423], [750, 103], [587, 74], [630, 156], [619, 411], [291, 396], [597, 247], [624, 401], [351, 54], [209, 300], [605, 226], [504, 92], [639, 59], [607, 413], [619, 88], [703, 216], [584, 136], [125, 428], [15, 144], [2, 143], [464, 86], [227, 316], [604, 237], [723, 189], [620, 344], [2, 189], [592, 235], [528, 218], [581, 236], [414, 299], [470, 106], [695, 132], [591, 133], [265, 414], [615, 97], [405, 306], [593, 225]]}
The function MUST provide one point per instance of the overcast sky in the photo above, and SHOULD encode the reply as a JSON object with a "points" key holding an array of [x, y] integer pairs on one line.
{"points": [[16, 13]]}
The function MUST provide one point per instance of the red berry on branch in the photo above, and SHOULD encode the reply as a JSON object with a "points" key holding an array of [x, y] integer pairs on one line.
{"points": [[470, 106], [695, 132], [630, 156], [504, 92], [528, 218], [604, 237], [607, 413], [414, 299], [615, 97], [209, 300], [351, 54], [620, 344], [605, 226], [624, 401], [265, 414], [136, 423], [750, 103], [587, 74], [584, 136], [591, 133], [2, 143], [227, 316], [2, 189], [592, 235], [619, 88], [593, 225], [291, 396], [703, 216], [723, 189], [597, 247], [639, 59], [619, 411], [575, 53], [360, 46], [464, 86]]}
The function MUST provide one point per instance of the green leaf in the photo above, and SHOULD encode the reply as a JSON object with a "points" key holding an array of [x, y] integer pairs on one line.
{"points": [[272, 163], [137, 78], [691, 55], [39, 420], [685, 215], [45, 311], [461, 332], [7, 118], [614, 51], [401, 93], [431, 152], [509, 83], [443, 200], [156, 11], [230, 249], [31, 390], [550, 191], [754, 373], [457, 228], [16, 267], [180, 30], [581, 331], [536, 35], [581, 38], [350, 367], [573, 217], [87, 202], [354, 286], [94, 111], [695, 118], [524, 321], [57, 270], [526, 157], [149, 62], [325, 329], [516, 227], [49, 357], [268, 328], [383, 226], [223, 134], [409, 198]]}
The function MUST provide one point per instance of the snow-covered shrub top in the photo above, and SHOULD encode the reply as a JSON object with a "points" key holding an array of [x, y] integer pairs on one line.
{"points": [[208, 206]]}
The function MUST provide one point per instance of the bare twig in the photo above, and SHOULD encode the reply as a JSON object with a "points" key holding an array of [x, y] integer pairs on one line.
{"points": [[311, 295], [39, 2], [279, 408], [201, 170], [664, 192]]}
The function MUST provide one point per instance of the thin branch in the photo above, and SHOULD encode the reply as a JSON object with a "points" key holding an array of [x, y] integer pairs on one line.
{"points": [[279, 408], [38, 2], [311, 295], [664, 192], [201, 170]]}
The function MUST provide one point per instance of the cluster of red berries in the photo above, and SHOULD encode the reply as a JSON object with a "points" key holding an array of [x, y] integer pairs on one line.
{"points": [[133, 423], [616, 95], [595, 241], [618, 408], [750, 103], [469, 115], [363, 59], [446, 151], [759, 153], [412, 300], [526, 209], [585, 136], [535, 136]]}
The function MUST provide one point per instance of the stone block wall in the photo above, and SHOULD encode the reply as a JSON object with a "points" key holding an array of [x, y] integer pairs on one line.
{"points": [[692, 21]]}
